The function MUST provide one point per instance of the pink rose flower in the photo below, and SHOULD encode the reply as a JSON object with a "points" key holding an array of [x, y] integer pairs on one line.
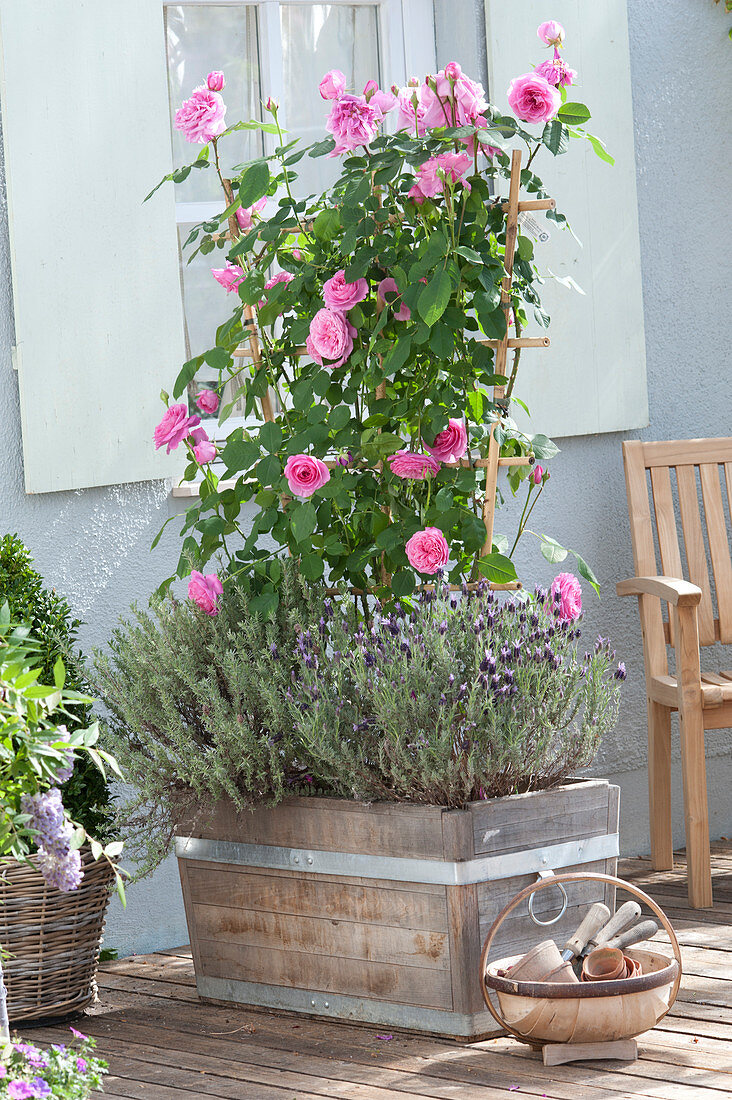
{"points": [[207, 401], [203, 449], [427, 551], [408, 117], [281, 277], [532, 98], [432, 174], [352, 122], [305, 474], [556, 72], [201, 117], [230, 276], [245, 214], [215, 81], [537, 474], [388, 286], [466, 99], [331, 337], [383, 101], [333, 84], [174, 427], [551, 32], [567, 596], [450, 444], [205, 591], [453, 71], [408, 464], [342, 296]]}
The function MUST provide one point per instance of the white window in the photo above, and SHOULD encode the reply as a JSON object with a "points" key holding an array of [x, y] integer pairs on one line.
{"points": [[277, 49]]}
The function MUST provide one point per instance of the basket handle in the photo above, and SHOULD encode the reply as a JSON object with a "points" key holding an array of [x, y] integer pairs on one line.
{"points": [[553, 880]]}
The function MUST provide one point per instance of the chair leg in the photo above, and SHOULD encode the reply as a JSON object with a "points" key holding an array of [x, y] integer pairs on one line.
{"points": [[659, 786], [696, 811]]}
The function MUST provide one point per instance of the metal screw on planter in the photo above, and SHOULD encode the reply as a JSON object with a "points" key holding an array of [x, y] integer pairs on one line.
{"points": [[570, 1021]]}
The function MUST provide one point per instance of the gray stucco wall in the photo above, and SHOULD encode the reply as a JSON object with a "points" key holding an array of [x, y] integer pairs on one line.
{"points": [[93, 545]]}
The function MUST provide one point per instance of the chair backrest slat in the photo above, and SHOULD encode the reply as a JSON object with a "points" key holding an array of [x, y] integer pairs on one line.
{"points": [[695, 553], [700, 529], [668, 539], [644, 557], [718, 546]]}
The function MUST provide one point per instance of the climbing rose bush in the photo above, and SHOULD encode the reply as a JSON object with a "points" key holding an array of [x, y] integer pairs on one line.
{"points": [[376, 304]]}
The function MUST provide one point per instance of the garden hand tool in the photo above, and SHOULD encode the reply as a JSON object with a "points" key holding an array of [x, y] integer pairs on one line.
{"points": [[643, 931], [595, 919], [624, 917]]}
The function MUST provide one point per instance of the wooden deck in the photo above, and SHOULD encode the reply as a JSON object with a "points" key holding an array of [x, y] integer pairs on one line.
{"points": [[163, 1044]]}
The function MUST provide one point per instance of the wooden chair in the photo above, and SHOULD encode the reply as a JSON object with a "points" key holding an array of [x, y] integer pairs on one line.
{"points": [[703, 700]]}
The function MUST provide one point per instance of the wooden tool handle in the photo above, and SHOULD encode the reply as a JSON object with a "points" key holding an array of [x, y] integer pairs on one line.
{"points": [[596, 917], [627, 914], [643, 931]]}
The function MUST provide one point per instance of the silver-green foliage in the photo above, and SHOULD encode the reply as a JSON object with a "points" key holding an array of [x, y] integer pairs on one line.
{"points": [[465, 697], [197, 708]]}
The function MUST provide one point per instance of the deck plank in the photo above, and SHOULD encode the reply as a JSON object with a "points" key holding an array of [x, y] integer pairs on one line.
{"points": [[163, 1044]]}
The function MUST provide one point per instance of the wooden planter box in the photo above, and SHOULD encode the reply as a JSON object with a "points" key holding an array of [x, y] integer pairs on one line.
{"points": [[376, 913]]}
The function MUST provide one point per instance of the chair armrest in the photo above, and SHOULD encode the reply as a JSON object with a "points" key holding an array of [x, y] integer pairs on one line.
{"points": [[678, 592]]}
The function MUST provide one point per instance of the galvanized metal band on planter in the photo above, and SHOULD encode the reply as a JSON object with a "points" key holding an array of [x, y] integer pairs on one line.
{"points": [[397, 869], [338, 1006]]}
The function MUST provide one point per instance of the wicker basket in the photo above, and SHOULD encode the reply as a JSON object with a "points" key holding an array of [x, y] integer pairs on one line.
{"points": [[51, 940]]}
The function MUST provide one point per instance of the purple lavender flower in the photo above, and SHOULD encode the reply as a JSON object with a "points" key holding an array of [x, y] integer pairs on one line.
{"points": [[620, 672], [61, 872], [48, 819]]}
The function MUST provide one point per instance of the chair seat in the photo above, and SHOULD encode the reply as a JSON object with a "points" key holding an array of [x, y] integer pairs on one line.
{"points": [[716, 689]]}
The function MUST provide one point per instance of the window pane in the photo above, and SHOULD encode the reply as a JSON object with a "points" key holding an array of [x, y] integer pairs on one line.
{"points": [[316, 38], [202, 37]]}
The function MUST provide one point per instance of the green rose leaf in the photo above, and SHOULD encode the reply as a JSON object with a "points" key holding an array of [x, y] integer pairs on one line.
{"points": [[311, 566], [326, 225], [402, 583], [270, 436], [303, 520], [584, 571], [397, 356], [574, 114], [239, 454], [269, 470], [543, 447], [556, 136], [552, 550], [497, 568], [434, 298], [254, 182]]}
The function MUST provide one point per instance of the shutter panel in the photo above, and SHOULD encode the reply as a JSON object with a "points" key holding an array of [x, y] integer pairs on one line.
{"points": [[98, 312], [593, 378]]}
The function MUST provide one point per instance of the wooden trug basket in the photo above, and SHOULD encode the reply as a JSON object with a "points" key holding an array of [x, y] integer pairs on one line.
{"points": [[51, 939], [598, 1013]]}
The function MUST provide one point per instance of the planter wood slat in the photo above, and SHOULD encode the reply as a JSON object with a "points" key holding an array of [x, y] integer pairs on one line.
{"points": [[391, 952]]}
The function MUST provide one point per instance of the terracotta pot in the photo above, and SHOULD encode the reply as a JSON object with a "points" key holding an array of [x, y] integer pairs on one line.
{"points": [[604, 964], [537, 963]]}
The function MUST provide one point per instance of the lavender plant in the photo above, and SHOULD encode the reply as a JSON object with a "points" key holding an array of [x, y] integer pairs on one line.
{"points": [[463, 697], [198, 709], [63, 1072]]}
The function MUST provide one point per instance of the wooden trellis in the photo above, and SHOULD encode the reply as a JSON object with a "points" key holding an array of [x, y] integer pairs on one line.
{"points": [[251, 349]]}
